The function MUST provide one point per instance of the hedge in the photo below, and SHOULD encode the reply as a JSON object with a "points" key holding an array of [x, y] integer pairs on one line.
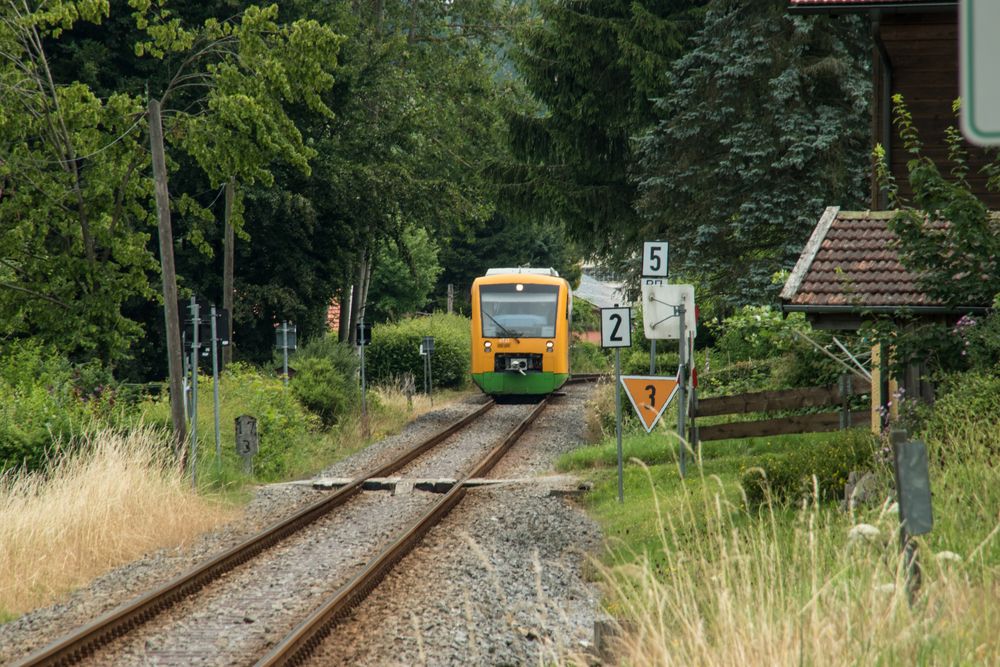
{"points": [[789, 476], [395, 349]]}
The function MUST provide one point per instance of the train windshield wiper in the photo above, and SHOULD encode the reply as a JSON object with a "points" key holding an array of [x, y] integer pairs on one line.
{"points": [[506, 332]]}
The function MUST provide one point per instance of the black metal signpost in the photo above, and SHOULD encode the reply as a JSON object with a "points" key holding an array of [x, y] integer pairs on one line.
{"points": [[364, 335], [285, 340], [427, 351], [616, 332], [195, 325], [913, 497]]}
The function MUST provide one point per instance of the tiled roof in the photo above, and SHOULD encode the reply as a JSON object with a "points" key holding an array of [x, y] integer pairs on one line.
{"points": [[851, 261]]}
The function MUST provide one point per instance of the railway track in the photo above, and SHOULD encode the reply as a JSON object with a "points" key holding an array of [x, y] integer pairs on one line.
{"points": [[78, 645], [295, 648]]}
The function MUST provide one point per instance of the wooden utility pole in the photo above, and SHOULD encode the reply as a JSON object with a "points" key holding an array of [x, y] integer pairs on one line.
{"points": [[227, 270], [169, 272]]}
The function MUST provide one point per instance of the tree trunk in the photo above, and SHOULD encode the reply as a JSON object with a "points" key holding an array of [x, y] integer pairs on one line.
{"points": [[357, 298], [169, 272], [344, 327], [228, 251]]}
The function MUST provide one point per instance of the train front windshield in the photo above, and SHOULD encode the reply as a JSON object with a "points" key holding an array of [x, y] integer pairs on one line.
{"points": [[519, 310]]}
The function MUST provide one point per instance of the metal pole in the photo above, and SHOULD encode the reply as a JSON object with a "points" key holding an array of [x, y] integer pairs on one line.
{"points": [[430, 378], [215, 389], [184, 381], [652, 356], [194, 391], [364, 388], [618, 420], [284, 345], [682, 388]]}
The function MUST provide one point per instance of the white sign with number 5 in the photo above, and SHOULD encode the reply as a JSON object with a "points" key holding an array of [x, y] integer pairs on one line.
{"points": [[616, 327], [654, 259]]}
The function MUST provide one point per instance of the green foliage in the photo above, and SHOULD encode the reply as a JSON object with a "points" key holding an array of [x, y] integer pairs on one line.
{"points": [[947, 237], [736, 378], [325, 378], [404, 275], [73, 225], [592, 68], [770, 109], [504, 241], [585, 316], [757, 332], [587, 357], [45, 399], [970, 399], [789, 476], [635, 361], [394, 350], [323, 390], [283, 424], [75, 185]]}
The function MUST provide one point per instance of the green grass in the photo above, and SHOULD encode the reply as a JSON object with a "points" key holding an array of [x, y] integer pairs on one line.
{"points": [[632, 526], [707, 580]]}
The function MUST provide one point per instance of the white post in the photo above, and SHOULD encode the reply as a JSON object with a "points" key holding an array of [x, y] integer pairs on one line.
{"points": [[284, 345], [215, 389], [618, 420], [194, 392], [682, 388]]}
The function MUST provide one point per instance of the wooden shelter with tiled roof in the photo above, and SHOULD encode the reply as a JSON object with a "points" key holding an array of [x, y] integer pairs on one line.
{"points": [[850, 271]]}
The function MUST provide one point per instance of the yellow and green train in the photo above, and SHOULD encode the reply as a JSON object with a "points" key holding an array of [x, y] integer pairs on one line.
{"points": [[520, 331]]}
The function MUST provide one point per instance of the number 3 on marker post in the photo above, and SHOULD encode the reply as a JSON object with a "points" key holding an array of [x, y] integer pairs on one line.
{"points": [[616, 327]]}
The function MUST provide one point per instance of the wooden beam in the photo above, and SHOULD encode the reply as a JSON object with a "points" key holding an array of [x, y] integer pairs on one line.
{"points": [[769, 401], [815, 423]]}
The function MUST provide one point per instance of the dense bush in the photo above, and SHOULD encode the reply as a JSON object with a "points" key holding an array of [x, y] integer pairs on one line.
{"points": [[967, 406], [283, 424], [395, 349], [326, 380], [587, 357], [44, 398], [789, 476], [756, 332]]}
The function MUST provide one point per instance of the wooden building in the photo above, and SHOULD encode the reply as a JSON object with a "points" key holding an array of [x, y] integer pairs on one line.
{"points": [[915, 53], [849, 271]]}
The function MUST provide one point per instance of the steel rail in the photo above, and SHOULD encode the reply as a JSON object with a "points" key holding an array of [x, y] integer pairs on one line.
{"points": [[585, 377], [297, 646], [78, 644]]}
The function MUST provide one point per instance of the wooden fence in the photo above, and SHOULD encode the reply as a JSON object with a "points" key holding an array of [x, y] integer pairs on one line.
{"points": [[772, 401]]}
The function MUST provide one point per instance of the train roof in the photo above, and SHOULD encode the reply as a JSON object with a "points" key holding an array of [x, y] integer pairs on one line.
{"points": [[523, 269], [502, 276]]}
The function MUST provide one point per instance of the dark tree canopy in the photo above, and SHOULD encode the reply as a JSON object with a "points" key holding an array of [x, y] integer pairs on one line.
{"points": [[764, 124]]}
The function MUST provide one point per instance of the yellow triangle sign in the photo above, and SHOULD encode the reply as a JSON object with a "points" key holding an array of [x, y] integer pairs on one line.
{"points": [[650, 396]]}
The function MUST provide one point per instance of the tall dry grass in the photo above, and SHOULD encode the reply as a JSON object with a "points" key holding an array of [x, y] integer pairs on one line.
{"points": [[808, 586], [110, 499]]}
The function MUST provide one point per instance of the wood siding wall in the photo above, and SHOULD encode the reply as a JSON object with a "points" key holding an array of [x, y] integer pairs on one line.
{"points": [[923, 48]]}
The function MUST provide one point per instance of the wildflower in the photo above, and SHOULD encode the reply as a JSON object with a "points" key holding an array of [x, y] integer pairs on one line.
{"points": [[950, 556], [888, 589], [863, 531]]}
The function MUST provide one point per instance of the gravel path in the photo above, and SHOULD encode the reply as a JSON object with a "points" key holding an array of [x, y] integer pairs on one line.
{"points": [[516, 544]]}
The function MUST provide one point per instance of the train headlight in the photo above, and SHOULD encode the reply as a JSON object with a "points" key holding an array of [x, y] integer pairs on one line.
{"points": [[549, 345], [487, 346]]}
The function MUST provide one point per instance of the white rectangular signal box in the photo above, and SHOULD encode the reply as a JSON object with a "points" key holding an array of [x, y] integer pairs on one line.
{"points": [[660, 302]]}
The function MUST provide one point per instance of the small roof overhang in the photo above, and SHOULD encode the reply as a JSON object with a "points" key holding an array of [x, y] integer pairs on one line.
{"points": [[849, 272]]}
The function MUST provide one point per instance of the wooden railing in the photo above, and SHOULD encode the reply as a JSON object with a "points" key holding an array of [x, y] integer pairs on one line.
{"points": [[773, 401]]}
